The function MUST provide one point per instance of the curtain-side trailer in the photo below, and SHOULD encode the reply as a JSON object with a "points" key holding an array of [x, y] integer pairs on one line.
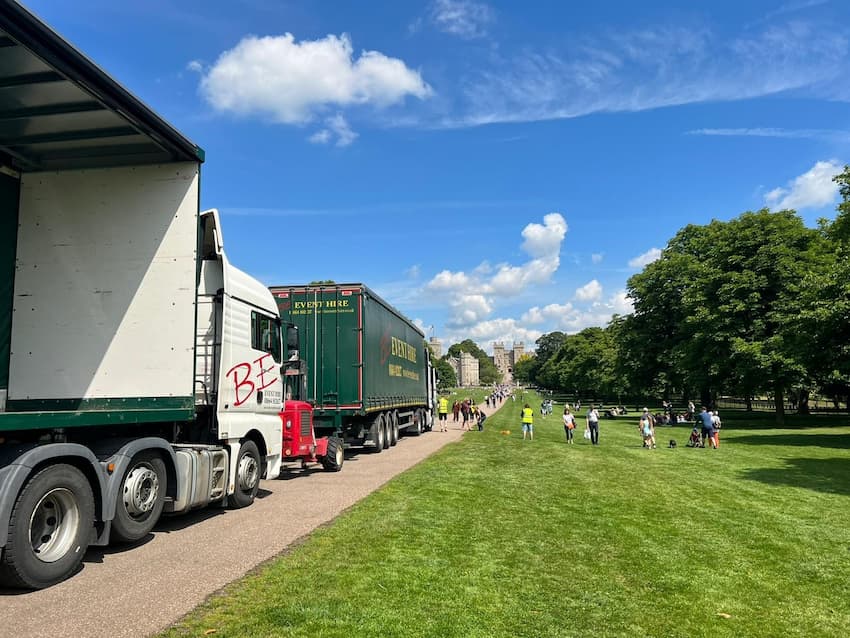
{"points": [[139, 370], [368, 371]]}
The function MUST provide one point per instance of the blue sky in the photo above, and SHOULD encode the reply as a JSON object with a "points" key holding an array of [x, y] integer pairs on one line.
{"points": [[496, 170]]}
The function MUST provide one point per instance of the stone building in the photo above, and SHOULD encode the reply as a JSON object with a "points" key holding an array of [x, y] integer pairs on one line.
{"points": [[466, 369], [505, 360], [436, 347]]}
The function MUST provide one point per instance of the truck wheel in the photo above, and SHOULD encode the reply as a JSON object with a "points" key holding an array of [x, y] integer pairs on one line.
{"points": [[416, 430], [394, 428], [378, 433], [247, 475], [141, 498], [49, 530], [332, 462], [387, 429]]}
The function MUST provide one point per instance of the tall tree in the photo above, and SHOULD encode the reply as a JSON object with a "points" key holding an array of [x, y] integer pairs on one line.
{"points": [[446, 377], [736, 284], [822, 337]]}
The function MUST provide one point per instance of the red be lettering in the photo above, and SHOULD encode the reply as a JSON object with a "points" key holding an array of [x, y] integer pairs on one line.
{"points": [[241, 384], [263, 372]]}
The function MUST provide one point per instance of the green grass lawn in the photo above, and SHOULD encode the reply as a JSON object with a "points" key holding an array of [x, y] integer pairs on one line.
{"points": [[496, 537]]}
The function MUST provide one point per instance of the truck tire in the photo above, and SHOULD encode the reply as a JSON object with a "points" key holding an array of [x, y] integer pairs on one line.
{"points": [[49, 530], [248, 472], [139, 503], [333, 460], [387, 428], [378, 434], [394, 428], [416, 428]]}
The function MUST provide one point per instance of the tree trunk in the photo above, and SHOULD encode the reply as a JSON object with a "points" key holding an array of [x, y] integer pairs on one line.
{"points": [[779, 398], [803, 402]]}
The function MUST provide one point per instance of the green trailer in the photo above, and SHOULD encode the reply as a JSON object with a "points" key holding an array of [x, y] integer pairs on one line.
{"points": [[366, 367]]}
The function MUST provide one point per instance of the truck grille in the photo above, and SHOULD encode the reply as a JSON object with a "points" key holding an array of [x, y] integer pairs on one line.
{"points": [[306, 422]]}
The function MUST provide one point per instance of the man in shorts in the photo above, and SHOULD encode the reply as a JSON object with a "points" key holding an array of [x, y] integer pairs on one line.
{"points": [[527, 422], [444, 414]]}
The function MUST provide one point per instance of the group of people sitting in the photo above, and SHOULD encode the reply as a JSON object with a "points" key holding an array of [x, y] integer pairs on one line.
{"points": [[706, 430]]}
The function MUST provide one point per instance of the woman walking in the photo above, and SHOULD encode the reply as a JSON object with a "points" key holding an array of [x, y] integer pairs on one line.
{"points": [[647, 429], [569, 424]]}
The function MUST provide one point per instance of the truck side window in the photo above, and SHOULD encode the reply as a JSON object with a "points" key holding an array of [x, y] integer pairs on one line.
{"points": [[265, 334]]}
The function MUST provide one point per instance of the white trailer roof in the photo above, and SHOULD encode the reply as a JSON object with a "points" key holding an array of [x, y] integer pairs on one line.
{"points": [[60, 110]]}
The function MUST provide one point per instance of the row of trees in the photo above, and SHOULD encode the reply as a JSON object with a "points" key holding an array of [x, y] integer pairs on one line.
{"points": [[759, 305]]}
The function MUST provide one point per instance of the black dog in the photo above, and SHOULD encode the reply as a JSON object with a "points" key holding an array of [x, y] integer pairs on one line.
{"points": [[672, 443]]}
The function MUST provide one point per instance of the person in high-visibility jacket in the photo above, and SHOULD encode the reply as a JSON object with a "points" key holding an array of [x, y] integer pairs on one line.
{"points": [[444, 414], [527, 422]]}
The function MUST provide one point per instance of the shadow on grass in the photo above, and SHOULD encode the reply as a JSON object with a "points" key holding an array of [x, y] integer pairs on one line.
{"points": [[803, 439], [757, 420], [831, 476]]}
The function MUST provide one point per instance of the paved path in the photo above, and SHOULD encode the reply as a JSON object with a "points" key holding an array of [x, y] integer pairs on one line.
{"points": [[143, 590]]}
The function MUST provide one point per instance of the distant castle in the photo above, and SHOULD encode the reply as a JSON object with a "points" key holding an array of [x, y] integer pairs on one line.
{"points": [[466, 366], [505, 360]]}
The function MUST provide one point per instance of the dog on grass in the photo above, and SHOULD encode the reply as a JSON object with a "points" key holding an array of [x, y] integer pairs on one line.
{"points": [[672, 443]]}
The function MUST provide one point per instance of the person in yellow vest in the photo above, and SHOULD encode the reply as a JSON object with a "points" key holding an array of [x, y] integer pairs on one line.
{"points": [[527, 422], [444, 414]]}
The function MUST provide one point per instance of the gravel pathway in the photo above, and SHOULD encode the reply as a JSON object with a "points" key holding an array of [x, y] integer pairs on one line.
{"points": [[143, 590]]}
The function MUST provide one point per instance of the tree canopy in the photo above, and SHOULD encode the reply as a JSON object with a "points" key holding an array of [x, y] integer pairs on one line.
{"points": [[757, 305]]}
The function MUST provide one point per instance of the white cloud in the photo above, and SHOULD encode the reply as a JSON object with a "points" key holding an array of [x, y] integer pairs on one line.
{"points": [[484, 333], [337, 126], [645, 259], [468, 310], [320, 137], [472, 296], [463, 18], [446, 280], [291, 81], [621, 303], [196, 66], [597, 258], [829, 135], [544, 240], [798, 5], [654, 67], [552, 312], [413, 272], [812, 189], [591, 291], [598, 313]]}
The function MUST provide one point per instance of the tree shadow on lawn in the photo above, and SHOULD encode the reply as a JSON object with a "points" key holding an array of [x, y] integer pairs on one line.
{"points": [[804, 438], [831, 476], [757, 420]]}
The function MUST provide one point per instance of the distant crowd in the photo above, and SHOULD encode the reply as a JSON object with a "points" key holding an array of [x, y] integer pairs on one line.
{"points": [[467, 413], [706, 432]]}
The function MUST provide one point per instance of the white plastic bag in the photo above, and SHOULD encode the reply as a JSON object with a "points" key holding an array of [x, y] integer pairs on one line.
{"points": [[587, 433]]}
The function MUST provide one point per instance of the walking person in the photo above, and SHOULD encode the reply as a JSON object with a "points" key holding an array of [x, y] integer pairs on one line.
{"points": [[456, 410], [647, 429], [527, 422], [592, 420], [569, 424], [707, 427], [717, 424], [444, 414], [464, 410]]}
